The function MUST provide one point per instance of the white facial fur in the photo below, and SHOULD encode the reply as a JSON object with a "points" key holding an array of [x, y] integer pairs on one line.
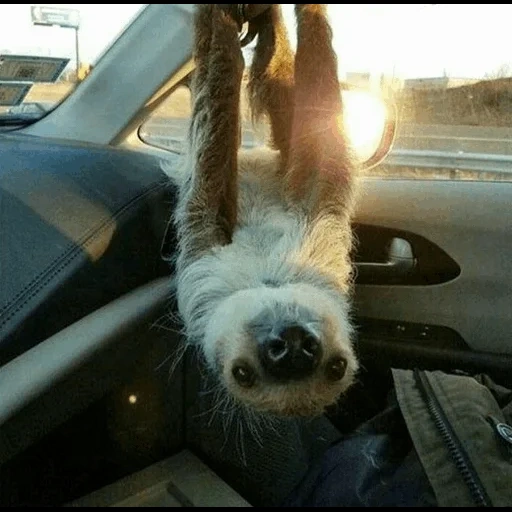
{"points": [[229, 340], [221, 293]]}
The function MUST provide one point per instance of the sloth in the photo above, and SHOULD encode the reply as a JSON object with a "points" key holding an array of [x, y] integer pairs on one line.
{"points": [[264, 274]]}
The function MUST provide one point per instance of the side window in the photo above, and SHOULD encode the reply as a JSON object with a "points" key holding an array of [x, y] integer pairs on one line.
{"points": [[452, 90], [167, 127]]}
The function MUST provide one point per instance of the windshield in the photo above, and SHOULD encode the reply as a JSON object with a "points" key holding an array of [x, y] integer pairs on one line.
{"points": [[46, 50]]}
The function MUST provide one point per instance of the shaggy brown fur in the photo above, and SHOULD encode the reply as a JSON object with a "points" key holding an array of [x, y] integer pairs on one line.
{"points": [[249, 219]]}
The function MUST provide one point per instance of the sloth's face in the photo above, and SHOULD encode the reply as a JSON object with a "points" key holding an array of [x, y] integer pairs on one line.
{"points": [[285, 351]]}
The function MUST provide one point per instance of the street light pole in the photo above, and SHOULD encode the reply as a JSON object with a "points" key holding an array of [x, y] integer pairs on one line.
{"points": [[56, 16], [77, 55]]}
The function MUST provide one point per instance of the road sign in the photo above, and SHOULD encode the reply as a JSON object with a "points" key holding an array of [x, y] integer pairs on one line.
{"points": [[12, 93], [27, 68], [49, 16]]}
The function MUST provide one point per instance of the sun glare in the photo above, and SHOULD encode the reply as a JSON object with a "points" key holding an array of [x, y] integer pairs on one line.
{"points": [[364, 121]]}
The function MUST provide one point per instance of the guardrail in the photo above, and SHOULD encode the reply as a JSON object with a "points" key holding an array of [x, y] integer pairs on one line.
{"points": [[417, 158], [449, 160]]}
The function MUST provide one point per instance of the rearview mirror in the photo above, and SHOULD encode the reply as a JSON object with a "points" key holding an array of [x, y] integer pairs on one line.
{"points": [[370, 124]]}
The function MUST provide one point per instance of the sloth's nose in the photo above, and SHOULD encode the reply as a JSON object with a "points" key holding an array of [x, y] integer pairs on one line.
{"points": [[291, 355]]}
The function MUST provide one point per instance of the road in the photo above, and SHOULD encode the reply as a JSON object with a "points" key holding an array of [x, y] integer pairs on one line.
{"points": [[456, 139]]}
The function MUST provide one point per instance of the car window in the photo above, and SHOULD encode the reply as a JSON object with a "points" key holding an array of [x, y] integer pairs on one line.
{"points": [[447, 69], [46, 50]]}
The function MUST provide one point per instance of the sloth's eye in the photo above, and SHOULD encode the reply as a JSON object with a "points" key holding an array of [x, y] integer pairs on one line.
{"points": [[335, 369], [244, 375]]}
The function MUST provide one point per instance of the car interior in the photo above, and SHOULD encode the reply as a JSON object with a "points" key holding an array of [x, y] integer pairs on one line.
{"points": [[100, 405]]}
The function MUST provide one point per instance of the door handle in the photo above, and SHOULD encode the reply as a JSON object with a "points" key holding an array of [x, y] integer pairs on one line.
{"points": [[401, 263]]}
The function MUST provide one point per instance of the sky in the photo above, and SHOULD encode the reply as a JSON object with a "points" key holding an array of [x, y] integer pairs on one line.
{"points": [[99, 26], [421, 40], [407, 41]]}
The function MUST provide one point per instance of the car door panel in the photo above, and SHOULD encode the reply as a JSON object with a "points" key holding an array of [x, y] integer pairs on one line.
{"points": [[471, 222]]}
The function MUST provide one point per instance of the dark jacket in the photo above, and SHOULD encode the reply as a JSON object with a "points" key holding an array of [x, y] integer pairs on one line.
{"points": [[444, 440], [460, 428]]}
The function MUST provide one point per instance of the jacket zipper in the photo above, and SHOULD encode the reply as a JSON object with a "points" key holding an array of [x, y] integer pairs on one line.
{"points": [[455, 449]]}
